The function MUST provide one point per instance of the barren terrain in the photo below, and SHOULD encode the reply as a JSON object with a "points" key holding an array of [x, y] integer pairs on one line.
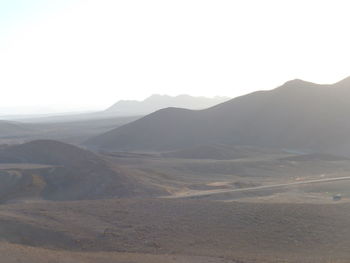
{"points": [[265, 206], [245, 232]]}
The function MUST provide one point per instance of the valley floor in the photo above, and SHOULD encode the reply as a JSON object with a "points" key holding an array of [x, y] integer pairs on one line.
{"points": [[266, 208]]}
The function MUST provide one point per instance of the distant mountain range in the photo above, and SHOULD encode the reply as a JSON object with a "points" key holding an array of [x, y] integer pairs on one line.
{"points": [[298, 115], [125, 108], [157, 102]]}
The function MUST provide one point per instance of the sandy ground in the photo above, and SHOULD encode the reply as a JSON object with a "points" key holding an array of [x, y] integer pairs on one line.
{"points": [[171, 230], [11, 253]]}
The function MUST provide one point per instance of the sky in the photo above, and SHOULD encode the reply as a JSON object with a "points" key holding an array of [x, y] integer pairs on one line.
{"points": [[87, 54]]}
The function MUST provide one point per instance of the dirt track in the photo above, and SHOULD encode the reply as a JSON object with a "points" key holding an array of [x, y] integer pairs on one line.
{"points": [[222, 191]]}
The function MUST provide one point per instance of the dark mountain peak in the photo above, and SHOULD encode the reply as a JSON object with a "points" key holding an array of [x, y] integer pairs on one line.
{"points": [[297, 83]]}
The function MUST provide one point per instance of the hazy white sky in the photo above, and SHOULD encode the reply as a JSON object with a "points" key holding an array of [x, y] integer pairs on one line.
{"points": [[91, 53]]}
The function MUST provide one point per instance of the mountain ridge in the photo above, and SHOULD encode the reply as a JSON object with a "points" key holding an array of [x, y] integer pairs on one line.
{"points": [[296, 115]]}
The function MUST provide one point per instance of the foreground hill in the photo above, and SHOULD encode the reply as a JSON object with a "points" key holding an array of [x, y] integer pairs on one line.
{"points": [[48, 152], [66, 172], [298, 115], [241, 232], [157, 102]]}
